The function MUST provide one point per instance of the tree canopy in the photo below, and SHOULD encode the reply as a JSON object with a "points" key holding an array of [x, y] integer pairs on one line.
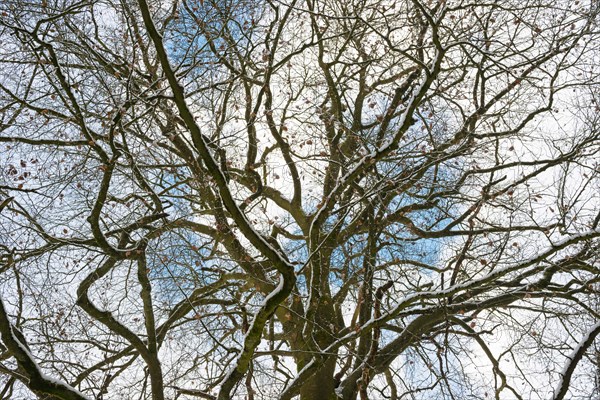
{"points": [[313, 199]]}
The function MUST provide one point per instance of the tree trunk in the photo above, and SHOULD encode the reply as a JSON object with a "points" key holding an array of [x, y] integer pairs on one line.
{"points": [[321, 385]]}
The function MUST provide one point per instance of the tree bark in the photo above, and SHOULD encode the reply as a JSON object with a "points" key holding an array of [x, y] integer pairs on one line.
{"points": [[321, 386]]}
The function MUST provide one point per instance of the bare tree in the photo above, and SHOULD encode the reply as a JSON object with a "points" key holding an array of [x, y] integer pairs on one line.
{"points": [[322, 199]]}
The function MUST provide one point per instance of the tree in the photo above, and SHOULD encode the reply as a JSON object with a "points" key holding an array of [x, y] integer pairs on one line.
{"points": [[325, 199]]}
